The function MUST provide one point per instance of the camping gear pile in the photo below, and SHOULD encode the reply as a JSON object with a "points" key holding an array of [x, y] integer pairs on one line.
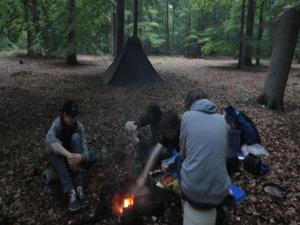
{"points": [[244, 144]]}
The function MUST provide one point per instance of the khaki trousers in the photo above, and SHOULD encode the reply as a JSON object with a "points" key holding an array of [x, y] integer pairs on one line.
{"points": [[192, 216]]}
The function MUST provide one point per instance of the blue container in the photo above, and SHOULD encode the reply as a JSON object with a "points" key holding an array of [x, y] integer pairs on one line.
{"points": [[239, 194]]}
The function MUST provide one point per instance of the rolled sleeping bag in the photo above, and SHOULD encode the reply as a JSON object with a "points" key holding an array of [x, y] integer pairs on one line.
{"points": [[49, 176]]}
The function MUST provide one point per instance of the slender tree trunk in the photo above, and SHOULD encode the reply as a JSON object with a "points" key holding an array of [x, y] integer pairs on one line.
{"points": [[271, 25], [173, 25], [27, 4], [35, 17], [120, 26], [260, 32], [71, 55], [44, 31], [247, 54], [188, 29], [135, 18], [282, 56], [113, 32], [242, 34], [140, 19], [167, 28]]}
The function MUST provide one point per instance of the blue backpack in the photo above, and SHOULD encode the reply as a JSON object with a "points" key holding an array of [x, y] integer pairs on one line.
{"points": [[238, 120]]}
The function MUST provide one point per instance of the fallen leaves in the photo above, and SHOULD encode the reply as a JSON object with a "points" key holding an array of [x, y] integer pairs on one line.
{"points": [[32, 93]]}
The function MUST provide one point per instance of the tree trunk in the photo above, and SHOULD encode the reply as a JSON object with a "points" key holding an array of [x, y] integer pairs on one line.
{"points": [[247, 54], [167, 28], [242, 34], [114, 32], [120, 26], [260, 31], [173, 27], [35, 17], [71, 54], [44, 31], [135, 19], [271, 24], [282, 56], [27, 4], [188, 29]]}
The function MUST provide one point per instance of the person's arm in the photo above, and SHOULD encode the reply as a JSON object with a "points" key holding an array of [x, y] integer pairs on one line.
{"points": [[52, 140], [143, 121], [85, 152], [182, 138], [151, 161], [75, 159], [59, 149]]}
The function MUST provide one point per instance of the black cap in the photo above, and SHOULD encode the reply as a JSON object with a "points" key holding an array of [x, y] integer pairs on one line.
{"points": [[71, 108]]}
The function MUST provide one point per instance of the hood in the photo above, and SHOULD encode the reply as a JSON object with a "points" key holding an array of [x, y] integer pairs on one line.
{"points": [[204, 105]]}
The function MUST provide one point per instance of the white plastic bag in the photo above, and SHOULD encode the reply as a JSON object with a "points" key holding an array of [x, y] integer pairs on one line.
{"points": [[255, 149]]}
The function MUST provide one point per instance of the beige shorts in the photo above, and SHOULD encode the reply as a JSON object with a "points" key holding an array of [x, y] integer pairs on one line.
{"points": [[193, 216]]}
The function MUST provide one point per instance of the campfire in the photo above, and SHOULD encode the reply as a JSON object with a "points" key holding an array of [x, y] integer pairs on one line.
{"points": [[131, 207], [121, 203]]}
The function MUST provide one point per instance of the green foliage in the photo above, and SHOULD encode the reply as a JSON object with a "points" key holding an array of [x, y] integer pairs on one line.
{"points": [[203, 26], [149, 33]]}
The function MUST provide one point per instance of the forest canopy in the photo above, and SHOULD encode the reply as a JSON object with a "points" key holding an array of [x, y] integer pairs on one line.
{"points": [[193, 28]]}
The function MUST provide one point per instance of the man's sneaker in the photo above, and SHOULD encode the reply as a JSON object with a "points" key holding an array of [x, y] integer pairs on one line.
{"points": [[74, 205], [82, 200]]}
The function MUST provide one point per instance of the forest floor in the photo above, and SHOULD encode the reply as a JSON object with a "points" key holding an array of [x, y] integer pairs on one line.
{"points": [[32, 93]]}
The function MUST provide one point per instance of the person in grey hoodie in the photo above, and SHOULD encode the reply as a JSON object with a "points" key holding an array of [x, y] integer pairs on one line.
{"points": [[203, 141], [67, 148]]}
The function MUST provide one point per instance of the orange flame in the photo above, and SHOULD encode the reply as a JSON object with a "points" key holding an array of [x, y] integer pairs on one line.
{"points": [[122, 202]]}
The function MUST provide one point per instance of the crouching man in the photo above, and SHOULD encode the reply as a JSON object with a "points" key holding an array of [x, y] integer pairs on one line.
{"points": [[203, 141], [67, 147]]}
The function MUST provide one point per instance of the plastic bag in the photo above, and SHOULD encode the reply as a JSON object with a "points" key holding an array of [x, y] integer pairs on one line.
{"points": [[256, 149]]}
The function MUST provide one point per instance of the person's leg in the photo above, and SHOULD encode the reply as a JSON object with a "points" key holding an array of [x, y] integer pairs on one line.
{"points": [[60, 165], [76, 147], [192, 216]]}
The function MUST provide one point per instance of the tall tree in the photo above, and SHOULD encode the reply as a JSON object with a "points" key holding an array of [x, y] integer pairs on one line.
{"points": [[167, 28], [247, 53], [135, 18], [188, 28], [120, 27], [260, 31], [282, 56], [114, 31], [71, 54], [242, 34], [173, 24], [27, 4]]}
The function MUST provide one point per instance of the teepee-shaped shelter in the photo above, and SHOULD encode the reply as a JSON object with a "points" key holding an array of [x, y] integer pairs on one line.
{"points": [[132, 66]]}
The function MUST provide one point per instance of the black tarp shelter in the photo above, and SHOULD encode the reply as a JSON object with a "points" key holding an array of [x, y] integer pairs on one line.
{"points": [[131, 67]]}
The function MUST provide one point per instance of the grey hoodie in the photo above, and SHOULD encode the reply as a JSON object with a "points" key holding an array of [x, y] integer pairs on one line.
{"points": [[203, 141]]}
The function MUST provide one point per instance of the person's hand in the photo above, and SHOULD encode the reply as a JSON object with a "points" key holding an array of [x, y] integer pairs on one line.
{"points": [[74, 161], [136, 141], [164, 168], [140, 182]]}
